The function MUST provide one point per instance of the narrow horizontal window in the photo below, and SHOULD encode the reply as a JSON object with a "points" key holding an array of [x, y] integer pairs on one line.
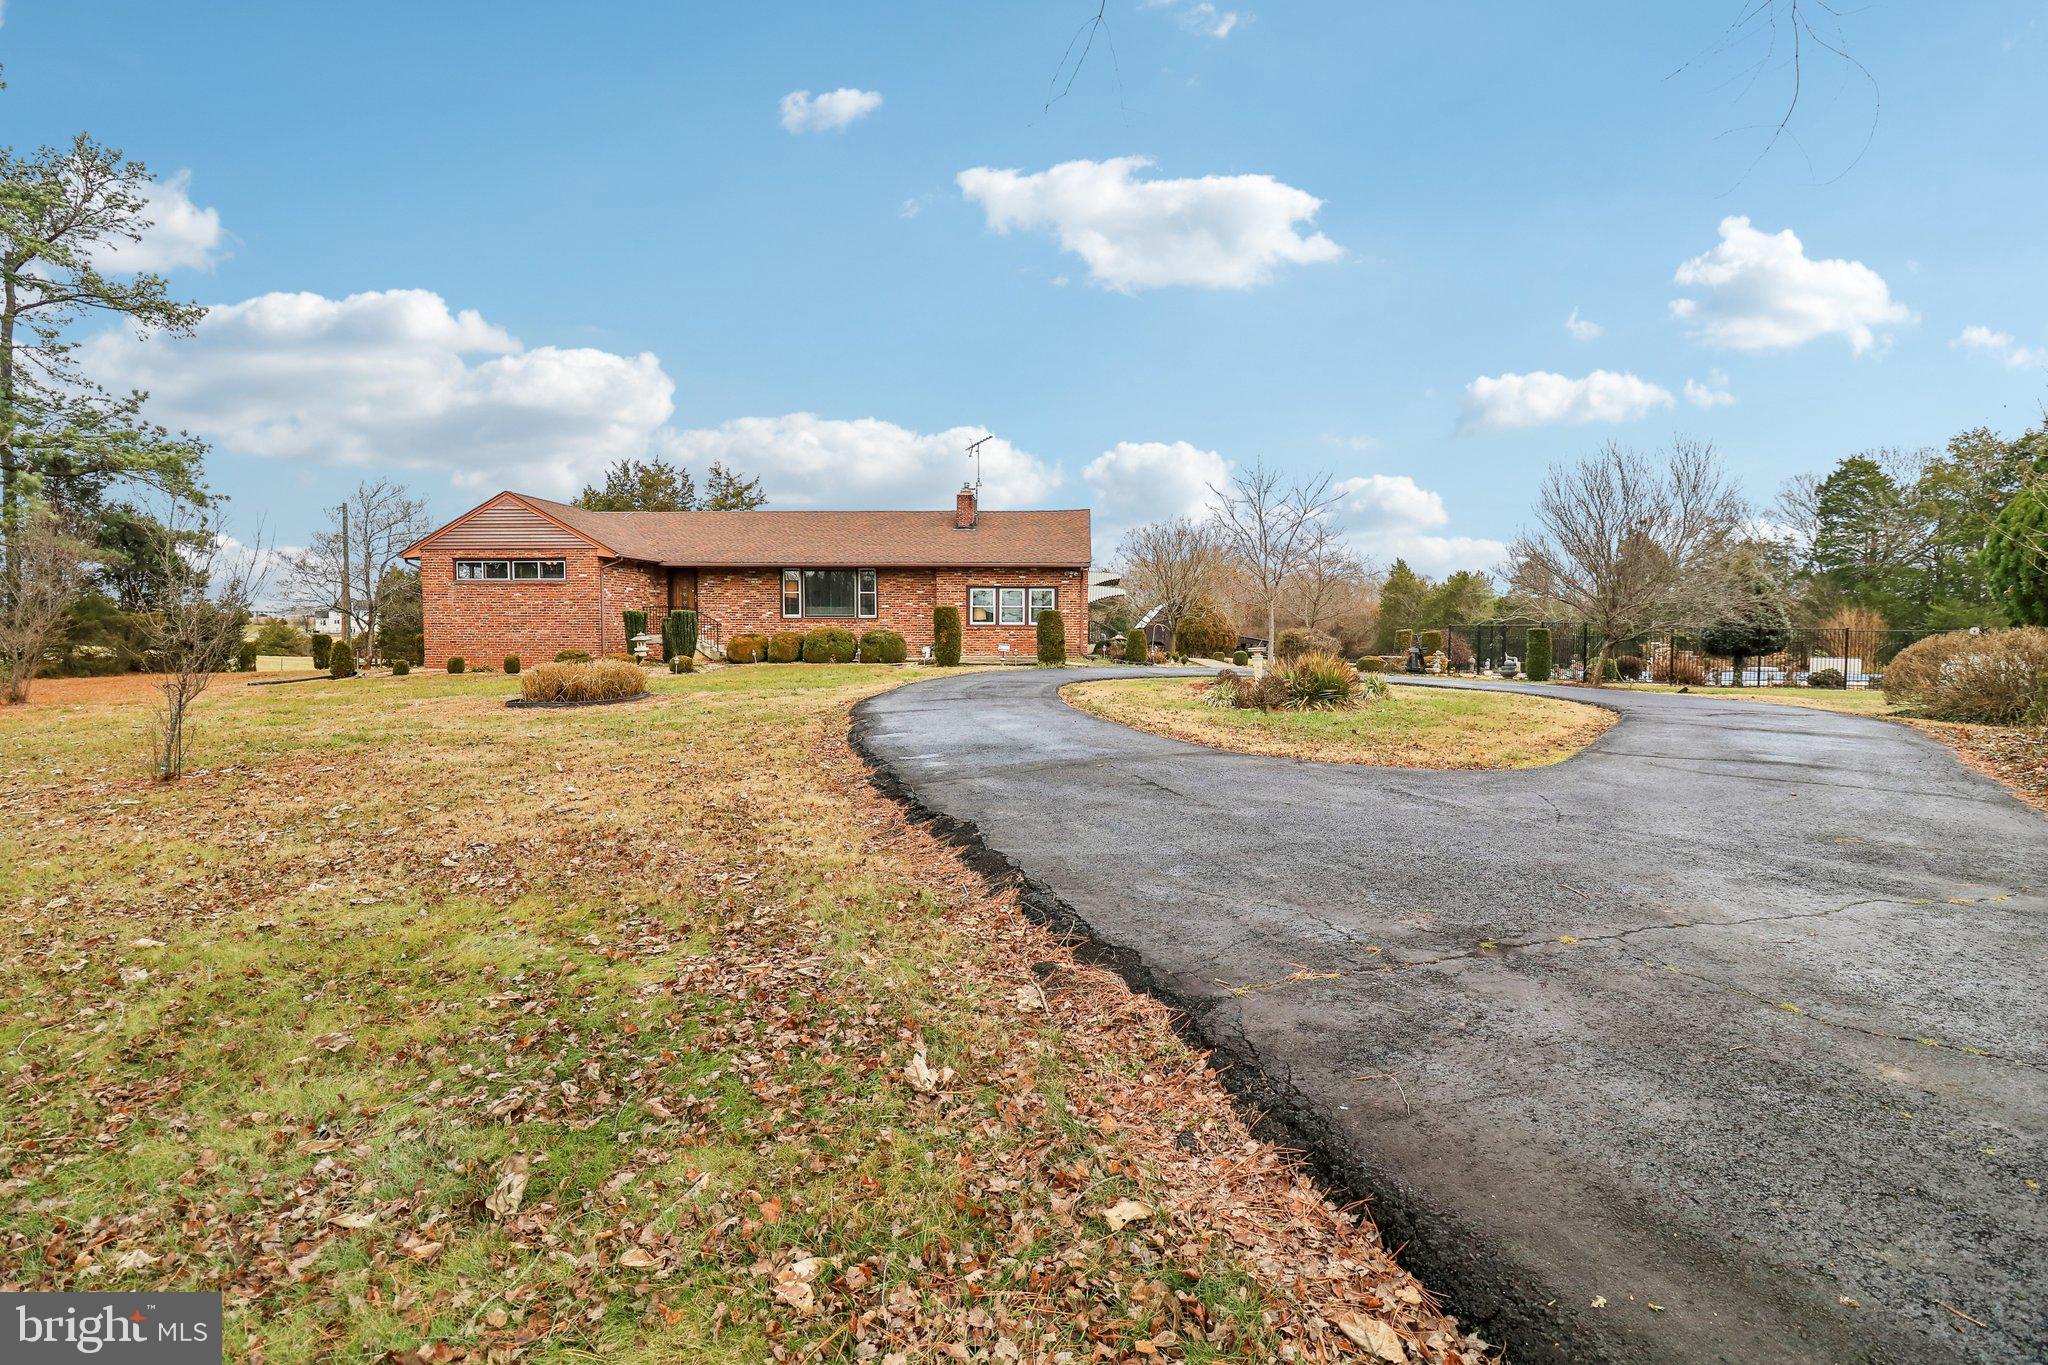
{"points": [[509, 570], [1012, 607], [981, 606]]}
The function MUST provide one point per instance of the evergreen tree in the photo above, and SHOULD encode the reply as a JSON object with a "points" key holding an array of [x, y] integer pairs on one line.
{"points": [[657, 486], [1401, 600]]}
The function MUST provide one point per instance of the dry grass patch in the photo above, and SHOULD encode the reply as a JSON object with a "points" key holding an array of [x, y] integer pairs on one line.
{"points": [[1859, 701], [426, 1033], [1413, 727]]}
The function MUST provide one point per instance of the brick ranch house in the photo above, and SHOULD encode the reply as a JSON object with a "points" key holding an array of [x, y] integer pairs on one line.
{"points": [[526, 576]]}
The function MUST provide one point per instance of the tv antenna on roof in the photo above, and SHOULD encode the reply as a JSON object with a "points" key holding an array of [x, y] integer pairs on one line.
{"points": [[975, 451]]}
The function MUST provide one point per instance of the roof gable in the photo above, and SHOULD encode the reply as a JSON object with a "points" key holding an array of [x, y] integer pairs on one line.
{"points": [[508, 524]]}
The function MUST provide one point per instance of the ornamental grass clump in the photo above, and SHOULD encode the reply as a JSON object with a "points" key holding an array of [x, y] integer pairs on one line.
{"points": [[1313, 682], [604, 680]]}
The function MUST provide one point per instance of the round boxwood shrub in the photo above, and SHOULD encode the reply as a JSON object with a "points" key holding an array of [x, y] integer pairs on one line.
{"points": [[321, 645], [883, 647], [1630, 666], [511, 663], [400, 667], [1135, 649], [1372, 663], [573, 656], [946, 636], [745, 649], [1537, 665], [458, 664], [1240, 658], [341, 661], [830, 645], [785, 647], [1052, 638], [1827, 677], [681, 663]]}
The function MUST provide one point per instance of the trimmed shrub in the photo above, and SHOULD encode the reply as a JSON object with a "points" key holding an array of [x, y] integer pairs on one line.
{"points": [[341, 661], [1296, 641], [400, 667], [1610, 669], [1136, 651], [1372, 663], [322, 646], [1432, 642], [458, 664], [883, 647], [1681, 670], [1052, 638], [745, 649], [1240, 658], [636, 624], [604, 680], [1537, 665], [1205, 631], [681, 663], [1990, 678], [679, 634], [1403, 639], [829, 645], [1319, 682], [1827, 677], [245, 657], [511, 664], [946, 636], [785, 647], [1630, 666], [573, 656]]}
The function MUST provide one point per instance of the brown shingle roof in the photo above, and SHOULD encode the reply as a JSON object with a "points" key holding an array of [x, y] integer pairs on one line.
{"points": [[871, 540]]}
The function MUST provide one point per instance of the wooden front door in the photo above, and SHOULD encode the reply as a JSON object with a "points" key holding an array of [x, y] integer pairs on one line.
{"points": [[682, 590]]}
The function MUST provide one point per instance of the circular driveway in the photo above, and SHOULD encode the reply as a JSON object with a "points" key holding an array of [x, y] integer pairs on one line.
{"points": [[1726, 1039]]}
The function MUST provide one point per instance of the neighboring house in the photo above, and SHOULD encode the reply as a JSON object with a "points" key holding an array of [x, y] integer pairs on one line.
{"points": [[328, 623], [527, 576], [1104, 584]]}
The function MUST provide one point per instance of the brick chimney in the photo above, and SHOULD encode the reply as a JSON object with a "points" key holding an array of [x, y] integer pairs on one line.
{"points": [[963, 507]]}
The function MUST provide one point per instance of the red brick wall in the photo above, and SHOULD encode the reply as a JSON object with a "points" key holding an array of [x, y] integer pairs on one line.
{"points": [[485, 621]]}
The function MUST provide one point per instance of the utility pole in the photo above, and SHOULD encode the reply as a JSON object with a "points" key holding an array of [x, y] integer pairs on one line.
{"points": [[348, 627]]}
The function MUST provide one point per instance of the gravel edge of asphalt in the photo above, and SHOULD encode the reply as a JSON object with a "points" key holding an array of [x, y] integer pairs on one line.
{"points": [[1477, 1288]]}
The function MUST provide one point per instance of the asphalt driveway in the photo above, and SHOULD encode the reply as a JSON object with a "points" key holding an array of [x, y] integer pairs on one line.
{"points": [[1726, 1039]]}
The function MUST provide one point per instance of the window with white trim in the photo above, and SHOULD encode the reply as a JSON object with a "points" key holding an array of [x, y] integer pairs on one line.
{"points": [[1010, 606], [981, 606], [509, 570], [1042, 599], [828, 594]]}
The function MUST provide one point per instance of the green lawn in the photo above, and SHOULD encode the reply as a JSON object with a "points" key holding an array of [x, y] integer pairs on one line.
{"points": [[647, 1031], [1412, 727]]}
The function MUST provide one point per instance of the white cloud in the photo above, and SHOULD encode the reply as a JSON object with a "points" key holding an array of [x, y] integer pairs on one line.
{"points": [[1512, 401], [181, 235], [1216, 232], [1582, 329], [1390, 516], [394, 378], [831, 112], [805, 460], [1134, 482], [1712, 394], [1761, 292], [2001, 346], [1202, 17]]}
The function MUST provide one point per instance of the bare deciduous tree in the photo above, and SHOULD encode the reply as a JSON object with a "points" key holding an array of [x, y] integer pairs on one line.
{"points": [[1625, 541], [1333, 584], [1175, 565], [383, 518], [35, 598], [203, 602], [1267, 525]]}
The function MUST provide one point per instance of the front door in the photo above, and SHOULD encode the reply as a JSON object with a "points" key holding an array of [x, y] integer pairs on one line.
{"points": [[682, 590]]}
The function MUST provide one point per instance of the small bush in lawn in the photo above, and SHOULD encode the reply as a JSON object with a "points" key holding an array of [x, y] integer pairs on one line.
{"points": [[322, 645], [1052, 638], [458, 664], [785, 647], [1372, 687], [604, 680], [1989, 678], [573, 656], [511, 664], [830, 645], [1319, 682], [1610, 670], [745, 649], [1222, 690], [1136, 651], [1240, 658], [1827, 677], [341, 661], [1630, 666], [1681, 670], [1432, 642], [400, 667], [1296, 641], [946, 636], [1537, 665], [883, 647], [1372, 663], [681, 663]]}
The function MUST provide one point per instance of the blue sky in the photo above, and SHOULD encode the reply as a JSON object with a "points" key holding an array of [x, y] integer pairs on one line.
{"points": [[473, 246]]}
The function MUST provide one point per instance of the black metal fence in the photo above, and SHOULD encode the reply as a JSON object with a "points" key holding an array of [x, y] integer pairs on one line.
{"points": [[1679, 656]]}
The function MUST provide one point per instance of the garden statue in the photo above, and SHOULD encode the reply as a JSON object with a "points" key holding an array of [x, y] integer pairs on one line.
{"points": [[1415, 659]]}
